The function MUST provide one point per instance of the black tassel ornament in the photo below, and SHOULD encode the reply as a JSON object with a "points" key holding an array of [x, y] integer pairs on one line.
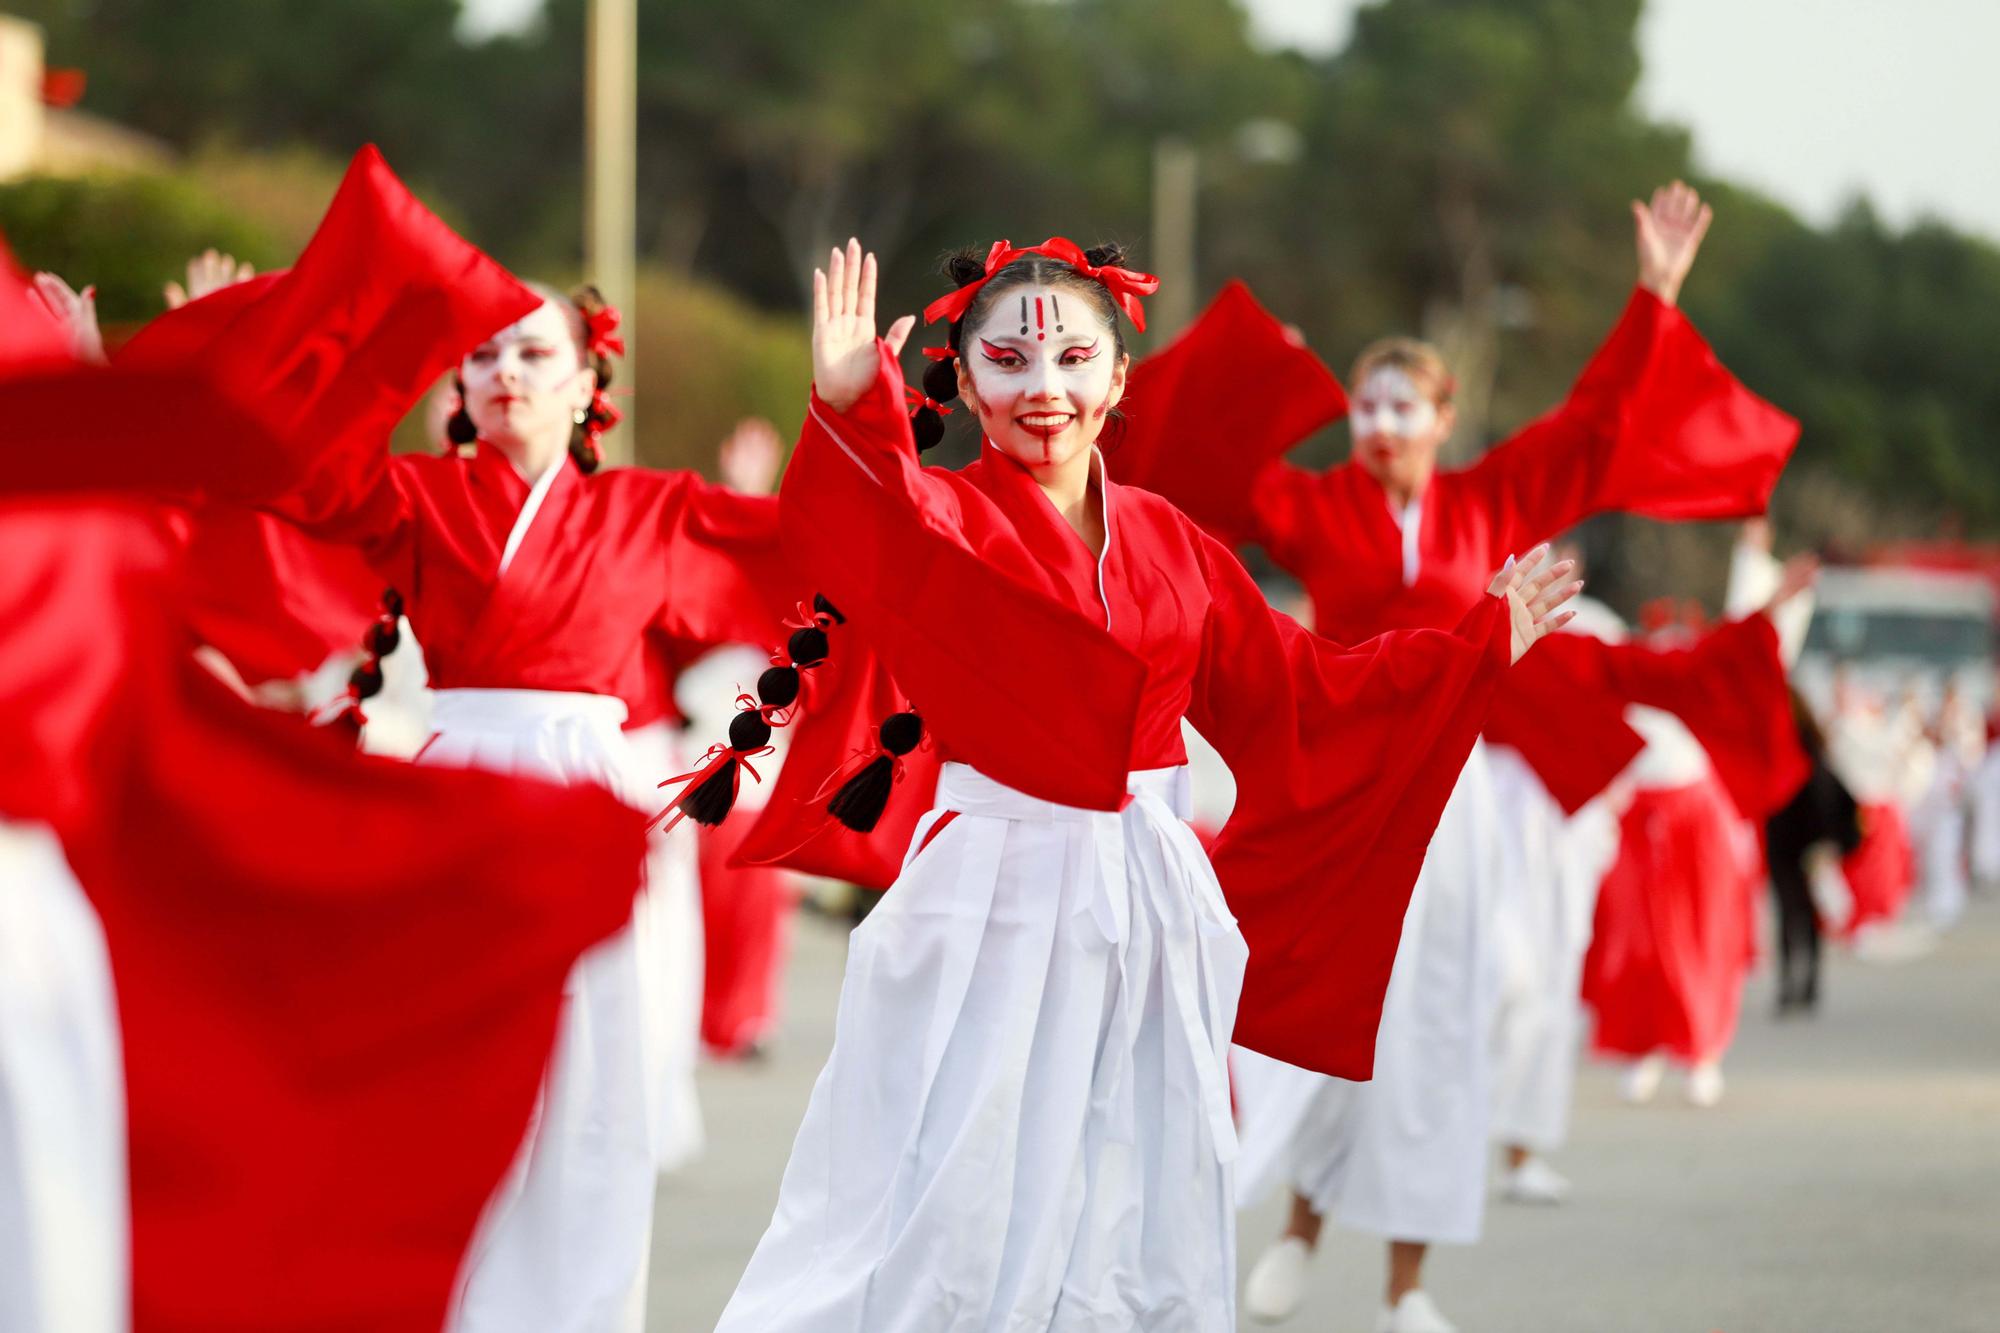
{"points": [[712, 787], [859, 803]]}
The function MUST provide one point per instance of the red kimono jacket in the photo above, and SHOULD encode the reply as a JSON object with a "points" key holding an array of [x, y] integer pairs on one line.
{"points": [[1057, 672], [329, 355], [1654, 426]]}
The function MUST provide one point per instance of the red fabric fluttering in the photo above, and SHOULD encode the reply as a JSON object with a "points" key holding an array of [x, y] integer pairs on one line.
{"points": [[338, 978], [1882, 871], [1673, 937], [1233, 382], [1125, 285]]}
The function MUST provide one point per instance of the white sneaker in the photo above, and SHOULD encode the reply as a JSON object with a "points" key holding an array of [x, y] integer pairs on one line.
{"points": [[1642, 1080], [1705, 1085], [1415, 1313], [1278, 1282], [1534, 1181]]}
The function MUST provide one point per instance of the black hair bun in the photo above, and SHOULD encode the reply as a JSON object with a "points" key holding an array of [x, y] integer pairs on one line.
{"points": [[927, 427], [941, 380], [965, 267], [902, 733], [1108, 255], [458, 428], [808, 646]]}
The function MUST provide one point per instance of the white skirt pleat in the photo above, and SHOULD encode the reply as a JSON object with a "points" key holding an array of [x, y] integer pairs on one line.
{"points": [[1024, 1123], [1554, 863], [64, 1205], [1402, 1156], [668, 920], [564, 1242]]}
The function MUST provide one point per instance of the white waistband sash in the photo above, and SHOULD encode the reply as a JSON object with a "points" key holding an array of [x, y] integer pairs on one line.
{"points": [[1188, 902]]}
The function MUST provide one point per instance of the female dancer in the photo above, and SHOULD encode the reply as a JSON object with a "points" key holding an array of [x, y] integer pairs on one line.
{"points": [[1025, 1122], [1653, 426], [278, 1028], [533, 583]]}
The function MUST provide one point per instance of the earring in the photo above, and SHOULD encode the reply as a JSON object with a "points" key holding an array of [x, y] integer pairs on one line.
{"points": [[580, 416]]}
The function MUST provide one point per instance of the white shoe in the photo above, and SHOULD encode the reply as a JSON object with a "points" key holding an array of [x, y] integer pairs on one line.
{"points": [[1278, 1283], [1705, 1085], [1534, 1181], [1415, 1313], [1642, 1080]]}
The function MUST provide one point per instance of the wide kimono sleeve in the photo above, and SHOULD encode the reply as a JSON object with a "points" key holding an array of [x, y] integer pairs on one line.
{"points": [[955, 616], [1729, 689], [1344, 759], [329, 355], [1206, 416], [728, 577], [1654, 426]]}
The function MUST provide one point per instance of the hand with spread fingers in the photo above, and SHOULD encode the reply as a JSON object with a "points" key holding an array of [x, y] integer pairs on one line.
{"points": [[77, 312], [209, 271], [1668, 235], [844, 327], [1535, 596]]}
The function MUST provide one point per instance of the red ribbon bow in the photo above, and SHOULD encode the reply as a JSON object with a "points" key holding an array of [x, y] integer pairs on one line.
{"points": [[1125, 285], [941, 353], [919, 399], [600, 332]]}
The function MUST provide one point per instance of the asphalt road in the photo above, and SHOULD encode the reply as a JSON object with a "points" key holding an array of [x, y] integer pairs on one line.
{"points": [[1848, 1183]]}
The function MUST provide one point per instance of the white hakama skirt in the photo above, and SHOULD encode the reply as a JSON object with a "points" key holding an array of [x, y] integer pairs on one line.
{"points": [[669, 923], [1402, 1156], [1552, 865], [565, 1239], [1025, 1120], [65, 1209]]}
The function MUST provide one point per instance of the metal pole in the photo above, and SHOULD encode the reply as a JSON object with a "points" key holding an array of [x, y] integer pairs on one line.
{"points": [[611, 151], [1176, 179]]}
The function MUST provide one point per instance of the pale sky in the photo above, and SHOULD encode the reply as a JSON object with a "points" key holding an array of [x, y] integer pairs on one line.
{"points": [[1810, 101]]}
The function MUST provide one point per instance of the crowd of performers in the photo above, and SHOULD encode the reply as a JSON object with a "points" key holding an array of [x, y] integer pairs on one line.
{"points": [[299, 1032]]}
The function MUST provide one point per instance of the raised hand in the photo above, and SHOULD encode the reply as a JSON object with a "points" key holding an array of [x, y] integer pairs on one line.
{"points": [[1535, 600], [748, 459], [844, 327], [77, 312], [1668, 233], [209, 271], [1799, 573]]}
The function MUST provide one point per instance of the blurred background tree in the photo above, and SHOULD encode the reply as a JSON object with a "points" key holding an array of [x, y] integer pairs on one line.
{"points": [[1460, 170]]}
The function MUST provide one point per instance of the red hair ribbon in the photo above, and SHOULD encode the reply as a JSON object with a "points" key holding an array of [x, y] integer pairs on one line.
{"points": [[919, 399], [600, 332], [1125, 285], [941, 353]]}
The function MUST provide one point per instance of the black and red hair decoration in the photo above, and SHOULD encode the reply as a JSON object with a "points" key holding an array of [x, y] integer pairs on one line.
{"points": [[1125, 285], [710, 793]]}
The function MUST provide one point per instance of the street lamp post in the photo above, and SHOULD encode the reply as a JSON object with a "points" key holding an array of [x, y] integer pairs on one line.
{"points": [[611, 151]]}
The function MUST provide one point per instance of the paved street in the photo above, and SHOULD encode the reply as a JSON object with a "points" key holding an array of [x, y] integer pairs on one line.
{"points": [[1849, 1183]]}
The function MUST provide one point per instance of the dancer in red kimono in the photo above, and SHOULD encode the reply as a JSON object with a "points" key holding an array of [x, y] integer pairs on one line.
{"points": [[533, 583], [1026, 1120], [272, 1015], [1388, 540]]}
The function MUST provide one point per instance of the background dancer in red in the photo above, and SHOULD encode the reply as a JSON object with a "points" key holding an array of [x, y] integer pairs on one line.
{"points": [[532, 584], [1655, 426]]}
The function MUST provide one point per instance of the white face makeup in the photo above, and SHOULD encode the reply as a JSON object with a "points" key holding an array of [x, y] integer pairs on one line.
{"points": [[526, 382], [1390, 403], [1044, 372]]}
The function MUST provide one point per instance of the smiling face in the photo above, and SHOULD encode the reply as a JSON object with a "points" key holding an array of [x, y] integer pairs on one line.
{"points": [[1398, 427], [525, 384], [1042, 370]]}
